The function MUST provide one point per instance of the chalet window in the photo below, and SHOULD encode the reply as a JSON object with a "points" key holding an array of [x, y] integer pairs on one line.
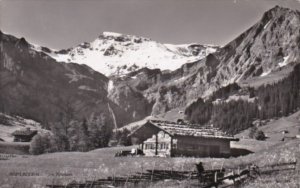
{"points": [[152, 146], [149, 146]]}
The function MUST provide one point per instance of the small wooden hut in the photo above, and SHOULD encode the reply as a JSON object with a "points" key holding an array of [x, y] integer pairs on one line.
{"points": [[24, 135]]}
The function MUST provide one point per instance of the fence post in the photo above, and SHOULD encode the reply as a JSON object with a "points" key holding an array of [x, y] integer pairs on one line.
{"points": [[216, 179], [297, 165], [153, 171]]}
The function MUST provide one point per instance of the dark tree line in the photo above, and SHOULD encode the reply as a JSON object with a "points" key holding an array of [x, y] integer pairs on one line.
{"points": [[122, 137], [199, 111], [234, 116], [73, 135], [271, 100], [280, 99]]}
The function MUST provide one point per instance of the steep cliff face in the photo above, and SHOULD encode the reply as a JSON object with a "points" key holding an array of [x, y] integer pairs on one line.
{"points": [[134, 105], [268, 46]]}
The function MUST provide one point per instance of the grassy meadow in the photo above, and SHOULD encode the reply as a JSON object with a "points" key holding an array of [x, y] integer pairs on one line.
{"points": [[61, 168]]}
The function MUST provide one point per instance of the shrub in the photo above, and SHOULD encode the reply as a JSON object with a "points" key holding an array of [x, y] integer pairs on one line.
{"points": [[40, 144], [252, 132], [260, 135]]}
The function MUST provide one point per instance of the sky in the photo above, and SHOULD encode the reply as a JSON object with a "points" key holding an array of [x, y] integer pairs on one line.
{"points": [[61, 24]]}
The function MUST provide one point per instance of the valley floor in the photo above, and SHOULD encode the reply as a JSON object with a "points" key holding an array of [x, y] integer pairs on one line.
{"points": [[27, 171], [61, 168]]}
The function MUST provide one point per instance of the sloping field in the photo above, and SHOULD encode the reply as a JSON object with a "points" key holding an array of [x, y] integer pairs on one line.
{"points": [[274, 129]]}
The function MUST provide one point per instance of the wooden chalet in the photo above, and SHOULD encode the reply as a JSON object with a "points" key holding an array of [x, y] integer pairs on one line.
{"points": [[24, 135], [164, 138]]}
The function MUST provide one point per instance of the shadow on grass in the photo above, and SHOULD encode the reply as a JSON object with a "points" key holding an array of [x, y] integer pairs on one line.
{"points": [[236, 152]]}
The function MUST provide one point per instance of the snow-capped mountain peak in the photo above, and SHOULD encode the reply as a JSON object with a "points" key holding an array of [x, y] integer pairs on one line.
{"points": [[108, 33], [118, 54]]}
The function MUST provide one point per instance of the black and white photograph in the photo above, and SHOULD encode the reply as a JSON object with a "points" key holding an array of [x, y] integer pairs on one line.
{"points": [[149, 93]]}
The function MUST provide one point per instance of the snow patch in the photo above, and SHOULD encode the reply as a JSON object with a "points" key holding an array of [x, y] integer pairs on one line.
{"points": [[87, 88], [285, 62], [108, 33], [265, 73], [210, 50], [74, 76], [235, 98], [180, 79], [267, 24], [110, 86]]}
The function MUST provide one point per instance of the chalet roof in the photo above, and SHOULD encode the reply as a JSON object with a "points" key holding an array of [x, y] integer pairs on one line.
{"points": [[175, 129], [24, 132]]}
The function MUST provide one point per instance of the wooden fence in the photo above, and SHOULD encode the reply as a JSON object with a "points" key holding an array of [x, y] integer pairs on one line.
{"points": [[209, 178]]}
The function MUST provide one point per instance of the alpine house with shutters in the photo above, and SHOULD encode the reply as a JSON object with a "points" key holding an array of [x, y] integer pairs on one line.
{"points": [[164, 138]]}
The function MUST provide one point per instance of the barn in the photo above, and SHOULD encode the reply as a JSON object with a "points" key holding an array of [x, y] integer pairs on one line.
{"points": [[24, 135], [165, 138]]}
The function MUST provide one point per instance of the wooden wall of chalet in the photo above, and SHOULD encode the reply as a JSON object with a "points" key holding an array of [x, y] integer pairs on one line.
{"points": [[201, 147]]}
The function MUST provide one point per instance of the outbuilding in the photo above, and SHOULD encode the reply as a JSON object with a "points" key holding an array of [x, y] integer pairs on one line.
{"points": [[24, 135]]}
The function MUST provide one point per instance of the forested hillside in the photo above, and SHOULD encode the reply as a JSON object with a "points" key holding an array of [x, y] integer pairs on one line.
{"points": [[234, 109]]}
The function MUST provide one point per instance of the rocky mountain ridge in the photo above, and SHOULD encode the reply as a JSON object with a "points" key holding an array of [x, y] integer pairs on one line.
{"points": [[270, 47], [115, 54]]}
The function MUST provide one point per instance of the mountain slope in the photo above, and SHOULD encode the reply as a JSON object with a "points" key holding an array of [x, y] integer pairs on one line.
{"points": [[35, 86], [268, 46], [118, 54], [271, 46]]}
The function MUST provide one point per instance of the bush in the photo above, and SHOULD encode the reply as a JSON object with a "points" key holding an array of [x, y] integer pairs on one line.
{"points": [[122, 137], [260, 135], [252, 132], [257, 134], [40, 144]]}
